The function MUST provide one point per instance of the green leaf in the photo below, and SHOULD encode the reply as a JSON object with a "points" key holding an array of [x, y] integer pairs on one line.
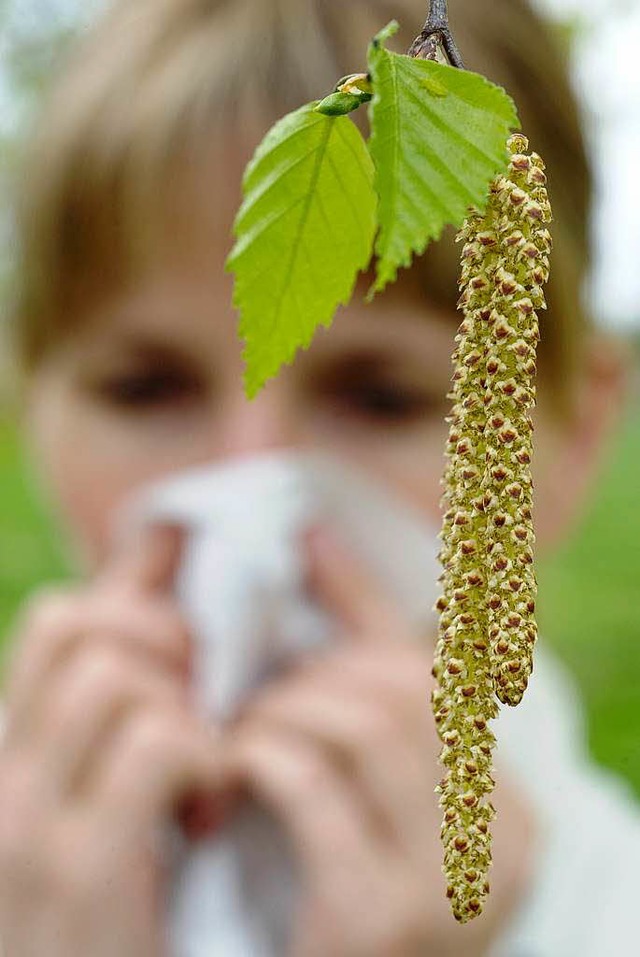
{"points": [[305, 229], [438, 139]]}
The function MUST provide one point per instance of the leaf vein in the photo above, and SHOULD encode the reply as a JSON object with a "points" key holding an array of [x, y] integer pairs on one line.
{"points": [[308, 199]]}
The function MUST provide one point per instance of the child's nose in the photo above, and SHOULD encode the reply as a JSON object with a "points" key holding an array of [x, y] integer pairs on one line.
{"points": [[271, 421]]}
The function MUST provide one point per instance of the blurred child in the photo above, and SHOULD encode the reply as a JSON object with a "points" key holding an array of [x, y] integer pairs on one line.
{"points": [[132, 369]]}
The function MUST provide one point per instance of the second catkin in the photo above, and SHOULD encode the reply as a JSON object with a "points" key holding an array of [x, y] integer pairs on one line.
{"points": [[513, 257], [487, 625]]}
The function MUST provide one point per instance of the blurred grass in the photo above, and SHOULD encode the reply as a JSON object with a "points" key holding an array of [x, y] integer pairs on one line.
{"points": [[29, 555], [590, 608], [589, 595]]}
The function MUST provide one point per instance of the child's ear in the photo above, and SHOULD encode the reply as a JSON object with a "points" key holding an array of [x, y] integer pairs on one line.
{"points": [[583, 444]]}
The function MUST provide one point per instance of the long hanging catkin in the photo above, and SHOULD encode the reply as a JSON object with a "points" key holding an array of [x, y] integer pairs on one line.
{"points": [[487, 627], [519, 266]]}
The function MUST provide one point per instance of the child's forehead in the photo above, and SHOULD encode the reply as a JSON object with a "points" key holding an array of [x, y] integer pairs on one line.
{"points": [[180, 291], [185, 305], [194, 226], [202, 195]]}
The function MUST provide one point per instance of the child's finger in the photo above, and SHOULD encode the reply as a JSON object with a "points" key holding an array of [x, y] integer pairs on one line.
{"points": [[343, 582], [56, 630], [368, 743], [145, 563], [323, 814]]}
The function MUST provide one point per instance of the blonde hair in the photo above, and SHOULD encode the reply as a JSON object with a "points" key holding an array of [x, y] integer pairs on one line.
{"points": [[157, 81]]}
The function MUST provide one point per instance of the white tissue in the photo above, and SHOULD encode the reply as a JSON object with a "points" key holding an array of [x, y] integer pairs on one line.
{"points": [[241, 588]]}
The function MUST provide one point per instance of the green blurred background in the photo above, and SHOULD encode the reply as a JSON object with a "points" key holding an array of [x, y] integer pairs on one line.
{"points": [[589, 595]]}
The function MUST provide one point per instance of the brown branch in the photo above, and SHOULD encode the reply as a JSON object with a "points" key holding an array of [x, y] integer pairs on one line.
{"points": [[437, 32]]}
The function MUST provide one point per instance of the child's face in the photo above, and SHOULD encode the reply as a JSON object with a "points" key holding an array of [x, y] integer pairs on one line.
{"points": [[151, 383]]}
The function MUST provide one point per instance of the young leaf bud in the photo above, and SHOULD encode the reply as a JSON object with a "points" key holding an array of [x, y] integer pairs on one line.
{"points": [[338, 104]]}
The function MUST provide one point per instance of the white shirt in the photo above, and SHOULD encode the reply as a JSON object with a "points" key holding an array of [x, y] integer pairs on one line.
{"points": [[585, 897]]}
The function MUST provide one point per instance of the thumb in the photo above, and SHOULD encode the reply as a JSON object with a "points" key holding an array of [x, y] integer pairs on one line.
{"points": [[347, 585], [147, 561]]}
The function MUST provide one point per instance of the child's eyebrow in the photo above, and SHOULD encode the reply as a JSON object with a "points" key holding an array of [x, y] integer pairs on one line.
{"points": [[153, 348], [398, 335]]}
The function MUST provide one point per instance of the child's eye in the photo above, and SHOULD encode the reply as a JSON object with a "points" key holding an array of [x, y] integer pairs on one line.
{"points": [[388, 402], [142, 391]]}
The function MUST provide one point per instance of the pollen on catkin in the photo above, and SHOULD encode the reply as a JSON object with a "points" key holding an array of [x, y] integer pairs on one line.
{"points": [[513, 257], [487, 625]]}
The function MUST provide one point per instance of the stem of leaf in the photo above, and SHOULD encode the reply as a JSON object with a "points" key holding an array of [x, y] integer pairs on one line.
{"points": [[437, 32]]}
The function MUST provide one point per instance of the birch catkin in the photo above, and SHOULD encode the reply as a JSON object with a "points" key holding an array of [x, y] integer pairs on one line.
{"points": [[519, 265], [487, 626]]}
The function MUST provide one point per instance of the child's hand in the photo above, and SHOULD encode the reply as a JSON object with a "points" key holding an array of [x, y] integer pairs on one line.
{"points": [[344, 752], [100, 750]]}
